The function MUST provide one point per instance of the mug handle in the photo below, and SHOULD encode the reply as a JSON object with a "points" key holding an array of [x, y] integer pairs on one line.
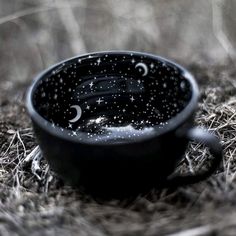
{"points": [[215, 148]]}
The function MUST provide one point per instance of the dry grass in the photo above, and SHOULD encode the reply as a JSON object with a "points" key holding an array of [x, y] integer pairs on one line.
{"points": [[34, 201], [35, 34]]}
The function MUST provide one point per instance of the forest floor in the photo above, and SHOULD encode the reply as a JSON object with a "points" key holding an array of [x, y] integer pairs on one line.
{"points": [[34, 202]]}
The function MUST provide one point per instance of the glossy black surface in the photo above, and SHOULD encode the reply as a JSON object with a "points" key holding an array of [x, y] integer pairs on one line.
{"points": [[115, 122], [112, 97]]}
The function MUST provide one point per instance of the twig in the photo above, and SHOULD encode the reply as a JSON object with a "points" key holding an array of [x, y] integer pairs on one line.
{"points": [[71, 25], [34, 10], [198, 231], [217, 6]]}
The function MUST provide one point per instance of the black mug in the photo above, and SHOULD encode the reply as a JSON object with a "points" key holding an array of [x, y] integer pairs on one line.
{"points": [[118, 122]]}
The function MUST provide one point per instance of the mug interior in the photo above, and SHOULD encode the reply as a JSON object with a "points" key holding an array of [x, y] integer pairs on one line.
{"points": [[114, 96]]}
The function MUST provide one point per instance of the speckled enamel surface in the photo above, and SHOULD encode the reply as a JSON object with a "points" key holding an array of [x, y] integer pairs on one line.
{"points": [[112, 96]]}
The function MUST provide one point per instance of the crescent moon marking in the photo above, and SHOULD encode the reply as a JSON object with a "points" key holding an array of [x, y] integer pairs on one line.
{"points": [[144, 67], [78, 113]]}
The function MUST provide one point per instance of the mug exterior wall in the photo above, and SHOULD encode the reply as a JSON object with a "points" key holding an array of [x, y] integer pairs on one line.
{"points": [[124, 168]]}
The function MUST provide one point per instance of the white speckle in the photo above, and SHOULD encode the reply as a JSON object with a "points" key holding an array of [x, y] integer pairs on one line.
{"points": [[99, 101], [183, 85], [98, 61], [91, 84], [132, 99]]}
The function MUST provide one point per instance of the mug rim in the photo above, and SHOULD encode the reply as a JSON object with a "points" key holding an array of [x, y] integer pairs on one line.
{"points": [[173, 123]]}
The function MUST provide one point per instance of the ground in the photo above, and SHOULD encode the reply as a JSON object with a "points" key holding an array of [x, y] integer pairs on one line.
{"points": [[36, 34], [35, 202]]}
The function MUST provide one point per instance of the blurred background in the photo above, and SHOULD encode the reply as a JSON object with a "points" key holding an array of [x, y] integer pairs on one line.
{"points": [[34, 34], [37, 33]]}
